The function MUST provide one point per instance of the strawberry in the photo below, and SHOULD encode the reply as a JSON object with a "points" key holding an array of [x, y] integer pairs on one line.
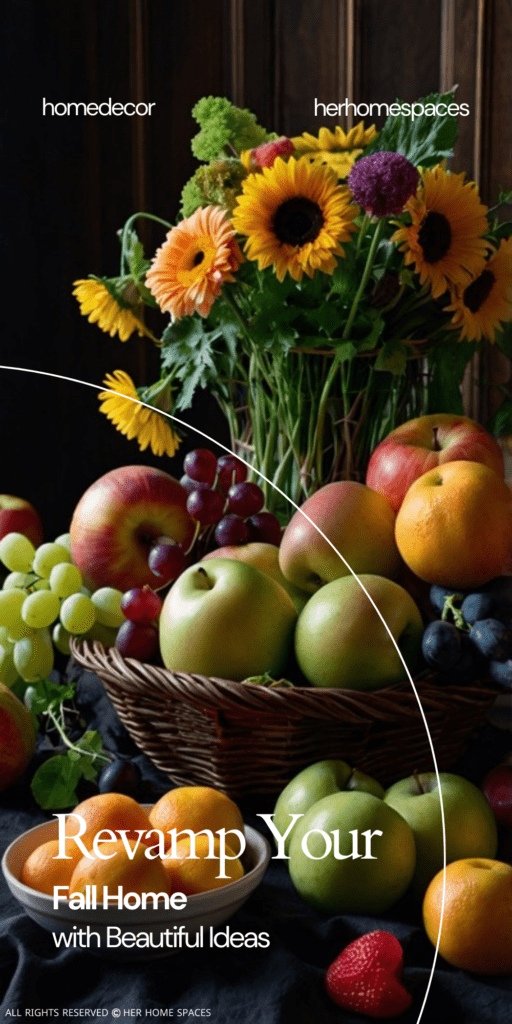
{"points": [[265, 154], [365, 977]]}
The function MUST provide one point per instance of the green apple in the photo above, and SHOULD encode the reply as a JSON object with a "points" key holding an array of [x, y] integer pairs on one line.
{"points": [[341, 641], [227, 619], [469, 822], [313, 783], [371, 881], [264, 557]]}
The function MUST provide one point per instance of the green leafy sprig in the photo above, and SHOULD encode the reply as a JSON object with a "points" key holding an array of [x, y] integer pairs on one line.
{"points": [[54, 783]]}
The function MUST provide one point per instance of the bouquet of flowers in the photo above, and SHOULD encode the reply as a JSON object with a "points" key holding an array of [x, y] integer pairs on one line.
{"points": [[323, 289]]}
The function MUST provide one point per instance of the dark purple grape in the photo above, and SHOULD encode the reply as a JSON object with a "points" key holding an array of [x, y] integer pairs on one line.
{"points": [[135, 641], [441, 645], [201, 465], [193, 485], [264, 528], [492, 639], [166, 561], [121, 776], [141, 605], [231, 530], [439, 594], [206, 507], [245, 499], [230, 471], [478, 606], [501, 673]]}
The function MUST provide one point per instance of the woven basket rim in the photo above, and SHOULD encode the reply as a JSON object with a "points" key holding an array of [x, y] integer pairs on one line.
{"points": [[211, 691]]}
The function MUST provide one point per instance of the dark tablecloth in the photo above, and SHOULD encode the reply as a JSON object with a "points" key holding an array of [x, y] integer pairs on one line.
{"points": [[281, 984]]}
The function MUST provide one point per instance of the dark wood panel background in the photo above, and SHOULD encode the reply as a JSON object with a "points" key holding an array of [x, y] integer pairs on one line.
{"points": [[72, 181]]}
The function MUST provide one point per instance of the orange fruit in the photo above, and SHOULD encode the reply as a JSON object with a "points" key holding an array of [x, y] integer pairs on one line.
{"points": [[195, 808], [454, 526], [17, 737], [112, 811], [476, 932], [190, 875], [43, 869], [140, 874]]}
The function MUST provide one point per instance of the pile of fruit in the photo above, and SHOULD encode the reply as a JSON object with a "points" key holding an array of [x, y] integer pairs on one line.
{"points": [[435, 510], [118, 856]]}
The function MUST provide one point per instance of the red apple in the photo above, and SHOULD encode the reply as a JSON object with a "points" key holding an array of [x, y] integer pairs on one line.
{"points": [[119, 518], [497, 788], [19, 516], [357, 521], [422, 444]]}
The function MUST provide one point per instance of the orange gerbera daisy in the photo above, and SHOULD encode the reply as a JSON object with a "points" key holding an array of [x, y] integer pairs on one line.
{"points": [[483, 305], [198, 256], [445, 239]]}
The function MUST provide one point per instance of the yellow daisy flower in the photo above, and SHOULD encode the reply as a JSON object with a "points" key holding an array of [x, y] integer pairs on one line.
{"points": [[100, 306], [338, 150], [190, 268], [294, 215], [444, 240], [480, 307], [122, 405]]}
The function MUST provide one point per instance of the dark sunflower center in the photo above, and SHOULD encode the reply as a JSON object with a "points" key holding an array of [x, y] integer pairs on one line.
{"points": [[298, 221], [478, 291], [198, 258], [434, 237]]}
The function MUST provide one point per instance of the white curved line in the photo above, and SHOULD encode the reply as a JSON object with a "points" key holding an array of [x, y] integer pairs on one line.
{"points": [[188, 426]]}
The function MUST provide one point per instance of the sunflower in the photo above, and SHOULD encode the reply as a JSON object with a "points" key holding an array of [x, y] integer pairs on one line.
{"points": [[480, 307], [338, 149], [444, 240], [101, 302], [198, 256], [294, 215], [122, 405]]}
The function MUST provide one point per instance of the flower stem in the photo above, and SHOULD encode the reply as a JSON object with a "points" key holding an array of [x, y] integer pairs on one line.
{"points": [[379, 227], [124, 234]]}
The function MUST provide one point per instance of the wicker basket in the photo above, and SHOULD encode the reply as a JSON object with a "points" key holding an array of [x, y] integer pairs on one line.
{"points": [[246, 739]]}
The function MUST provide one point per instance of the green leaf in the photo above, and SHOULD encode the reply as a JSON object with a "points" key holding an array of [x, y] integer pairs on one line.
{"points": [[501, 423], [198, 357], [424, 140], [54, 783], [392, 357], [137, 261], [50, 695], [501, 231]]}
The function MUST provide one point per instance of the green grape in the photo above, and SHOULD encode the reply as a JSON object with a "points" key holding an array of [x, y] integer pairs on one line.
{"points": [[65, 540], [20, 631], [4, 635], [77, 614], [107, 601], [33, 658], [40, 609], [17, 552], [60, 637], [48, 555], [18, 580], [40, 584], [104, 634], [65, 579], [11, 602], [8, 671]]}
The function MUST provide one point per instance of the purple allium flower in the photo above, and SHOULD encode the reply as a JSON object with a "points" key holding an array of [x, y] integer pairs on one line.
{"points": [[383, 182]]}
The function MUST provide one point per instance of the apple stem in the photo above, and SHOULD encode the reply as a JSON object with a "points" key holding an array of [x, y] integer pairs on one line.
{"points": [[436, 447], [417, 780], [203, 572]]}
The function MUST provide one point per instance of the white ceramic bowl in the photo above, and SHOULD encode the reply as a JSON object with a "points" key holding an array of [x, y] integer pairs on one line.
{"points": [[203, 911]]}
